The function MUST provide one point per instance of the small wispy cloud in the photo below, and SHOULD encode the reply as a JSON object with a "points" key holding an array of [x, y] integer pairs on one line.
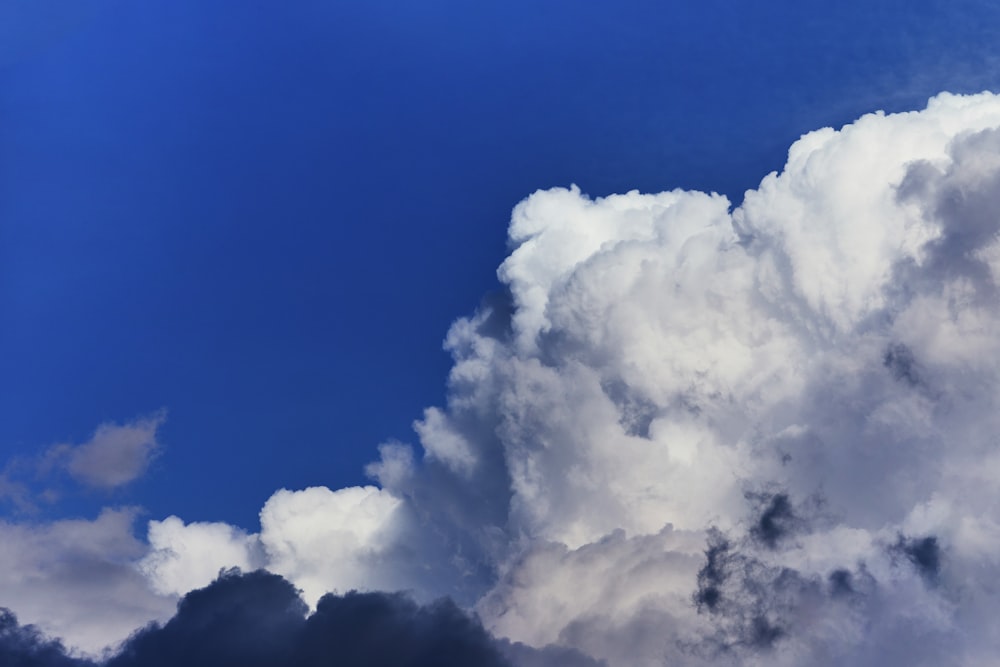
{"points": [[115, 454]]}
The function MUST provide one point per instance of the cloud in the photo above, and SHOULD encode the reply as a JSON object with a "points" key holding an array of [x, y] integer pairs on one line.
{"points": [[830, 340], [696, 434], [115, 455], [54, 574], [14, 490], [258, 620], [183, 557], [322, 540], [58, 575], [618, 599], [26, 646], [240, 619], [924, 553]]}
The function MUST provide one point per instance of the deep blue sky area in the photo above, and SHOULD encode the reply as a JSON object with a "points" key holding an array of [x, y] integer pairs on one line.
{"points": [[264, 216]]}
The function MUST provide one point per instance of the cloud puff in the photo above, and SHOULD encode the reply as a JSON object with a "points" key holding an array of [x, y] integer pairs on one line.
{"points": [[322, 540], [183, 557], [695, 434], [115, 455]]}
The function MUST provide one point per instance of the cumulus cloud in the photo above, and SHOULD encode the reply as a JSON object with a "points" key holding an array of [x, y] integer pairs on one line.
{"points": [[322, 540], [696, 434], [183, 557], [809, 373]]}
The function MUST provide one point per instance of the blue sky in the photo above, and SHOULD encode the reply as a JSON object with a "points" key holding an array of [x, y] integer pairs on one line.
{"points": [[263, 218], [668, 426]]}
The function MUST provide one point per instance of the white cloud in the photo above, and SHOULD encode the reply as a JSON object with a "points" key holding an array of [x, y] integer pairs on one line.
{"points": [[325, 540], [321, 540], [833, 337], [183, 557]]}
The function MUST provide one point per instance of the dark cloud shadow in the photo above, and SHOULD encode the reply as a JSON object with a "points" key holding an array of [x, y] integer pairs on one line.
{"points": [[26, 646], [924, 553], [257, 619]]}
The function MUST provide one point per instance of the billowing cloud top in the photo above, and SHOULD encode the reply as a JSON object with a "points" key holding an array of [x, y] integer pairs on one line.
{"points": [[703, 435]]}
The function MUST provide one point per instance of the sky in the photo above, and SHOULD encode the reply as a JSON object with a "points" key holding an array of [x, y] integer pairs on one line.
{"points": [[484, 301]]}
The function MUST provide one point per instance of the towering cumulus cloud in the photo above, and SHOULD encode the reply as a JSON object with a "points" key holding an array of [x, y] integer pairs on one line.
{"points": [[758, 436], [694, 434]]}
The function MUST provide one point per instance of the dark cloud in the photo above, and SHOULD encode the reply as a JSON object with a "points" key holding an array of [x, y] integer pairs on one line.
{"points": [[760, 609], [924, 553], [841, 582], [900, 361], [776, 518], [758, 606], [25, 646], [753, 603], [390, 630], [746, 598], [247, 619], [523, 655], [258, 620], [713, 575]]}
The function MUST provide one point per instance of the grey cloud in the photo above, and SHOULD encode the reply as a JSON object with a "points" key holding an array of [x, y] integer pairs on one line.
{"points": [[761, 606], [712, 577], [776, 520], [961, 199], [752, 604], [523, 655], [841, 582], [899, 360], [55, 575], [115, 455]]}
